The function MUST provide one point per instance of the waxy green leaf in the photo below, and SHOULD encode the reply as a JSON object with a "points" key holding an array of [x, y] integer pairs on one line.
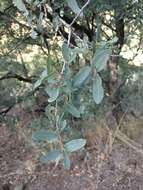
{"points": [[98, 91], [75, 145]]}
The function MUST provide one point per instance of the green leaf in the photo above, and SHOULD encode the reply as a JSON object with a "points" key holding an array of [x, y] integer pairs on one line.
{"points": [[52, 156], [114, 40], [73, 110], [43, 75], [66, 162], [37, 83], [56, 23], [53, 93], [69, 54], [81, 76], [74, 7], [34, 34], [75, 145], [44, 135], [100, 58], [21, 6], [63, 124], [74, 52], [66, 52], [98, 91]]}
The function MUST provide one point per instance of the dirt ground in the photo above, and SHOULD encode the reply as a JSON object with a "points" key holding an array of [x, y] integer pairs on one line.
{"points": [[20, 170]]}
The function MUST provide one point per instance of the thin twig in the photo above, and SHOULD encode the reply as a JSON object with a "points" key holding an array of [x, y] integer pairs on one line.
{"points": [[81, 10], [70, 29], [63, 68], [69, 37]]}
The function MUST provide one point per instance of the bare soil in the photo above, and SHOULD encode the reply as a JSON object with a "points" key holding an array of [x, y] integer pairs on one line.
{"points": [[20, 170]]}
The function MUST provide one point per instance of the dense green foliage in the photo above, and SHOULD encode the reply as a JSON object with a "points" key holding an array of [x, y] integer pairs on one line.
{"points": [[71, 52]]}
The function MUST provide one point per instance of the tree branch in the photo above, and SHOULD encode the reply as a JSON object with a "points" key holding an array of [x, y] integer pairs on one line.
{"points": [[16, 76]]}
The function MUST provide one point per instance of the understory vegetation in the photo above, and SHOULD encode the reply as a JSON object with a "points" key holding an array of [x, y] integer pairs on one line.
{"points": [[71, 73]]}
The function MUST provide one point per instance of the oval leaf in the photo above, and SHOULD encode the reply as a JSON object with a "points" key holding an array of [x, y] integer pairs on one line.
{"points": [[73, 110], [100, 58], [74, 7], [43, 75], [66, 52], [98, 91], [63, 125], [43, 135], [34, 34], [37, 83], [21, 6], [53, 93], [75, 145], [52, 156], [67, 162], [81, 76], [69, 54]]}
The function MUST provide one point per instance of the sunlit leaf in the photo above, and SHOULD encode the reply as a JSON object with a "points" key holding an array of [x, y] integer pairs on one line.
{"points": [[81, 76], [34, 34], [98, 91], [113, 40], [52, 156], [21, 6], [44, 135], [44, 74], [75, 145]]}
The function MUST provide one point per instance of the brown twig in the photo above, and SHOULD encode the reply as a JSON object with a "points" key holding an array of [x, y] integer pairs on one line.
{"points": [[16, 76]]}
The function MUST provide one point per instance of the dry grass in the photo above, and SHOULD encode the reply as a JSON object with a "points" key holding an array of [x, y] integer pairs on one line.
{"points": [[100, 137]]}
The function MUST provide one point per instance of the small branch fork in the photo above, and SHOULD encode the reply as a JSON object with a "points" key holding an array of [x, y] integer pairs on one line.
{"points": [[84, 6], [70, 30]]}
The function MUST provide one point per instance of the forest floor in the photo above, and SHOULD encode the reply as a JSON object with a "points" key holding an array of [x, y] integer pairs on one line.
{"points": [[20, 170]]}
